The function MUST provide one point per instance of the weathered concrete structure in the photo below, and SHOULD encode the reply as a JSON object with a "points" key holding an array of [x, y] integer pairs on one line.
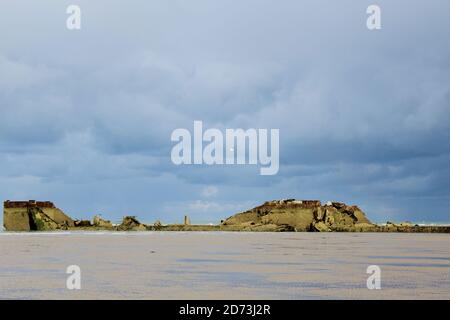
{"points": [[301, 215], [34, 216], [272, 216], [102, 223], [130, 223]]}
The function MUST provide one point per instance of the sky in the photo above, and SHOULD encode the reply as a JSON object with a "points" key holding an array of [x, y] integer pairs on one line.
{"points": [[87, 115]]}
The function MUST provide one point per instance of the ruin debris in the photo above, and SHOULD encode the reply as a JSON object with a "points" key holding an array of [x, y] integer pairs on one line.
{"points": [[34, 216], [286, 215], [82, 223], [130, 223], [157, 226], [101, 223], [302, 215]]}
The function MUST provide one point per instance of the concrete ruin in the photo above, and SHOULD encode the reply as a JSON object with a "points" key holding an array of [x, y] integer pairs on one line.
{"points": [[34, 215], [99, 222], [271, 216], [44, 216], [130, 223], [301, 215]]}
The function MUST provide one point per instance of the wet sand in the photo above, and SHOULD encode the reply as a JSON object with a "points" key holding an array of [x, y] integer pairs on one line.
{"points": [[224, 265]]}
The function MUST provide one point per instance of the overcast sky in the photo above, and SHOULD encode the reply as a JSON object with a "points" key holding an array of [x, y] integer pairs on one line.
{"points": [[86, 116]]}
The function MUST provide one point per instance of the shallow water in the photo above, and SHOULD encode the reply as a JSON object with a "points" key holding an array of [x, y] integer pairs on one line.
{"points": [[224, 265]]}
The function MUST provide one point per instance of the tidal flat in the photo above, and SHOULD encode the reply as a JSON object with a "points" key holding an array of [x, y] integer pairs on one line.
{"points": [[224, 265]]}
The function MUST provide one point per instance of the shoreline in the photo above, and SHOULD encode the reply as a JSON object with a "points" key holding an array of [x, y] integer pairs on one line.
{"points": [[285, 215], [236, 229]]}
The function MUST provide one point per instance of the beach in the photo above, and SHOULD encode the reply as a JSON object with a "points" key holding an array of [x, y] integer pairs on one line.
{"points": [[224, 265]]}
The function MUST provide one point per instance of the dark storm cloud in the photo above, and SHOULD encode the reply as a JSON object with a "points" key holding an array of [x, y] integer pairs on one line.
{"points": [[86, 116]]}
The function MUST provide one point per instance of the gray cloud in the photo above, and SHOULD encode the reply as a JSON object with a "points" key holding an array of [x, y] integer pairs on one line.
{"points": [[86, 116]]}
